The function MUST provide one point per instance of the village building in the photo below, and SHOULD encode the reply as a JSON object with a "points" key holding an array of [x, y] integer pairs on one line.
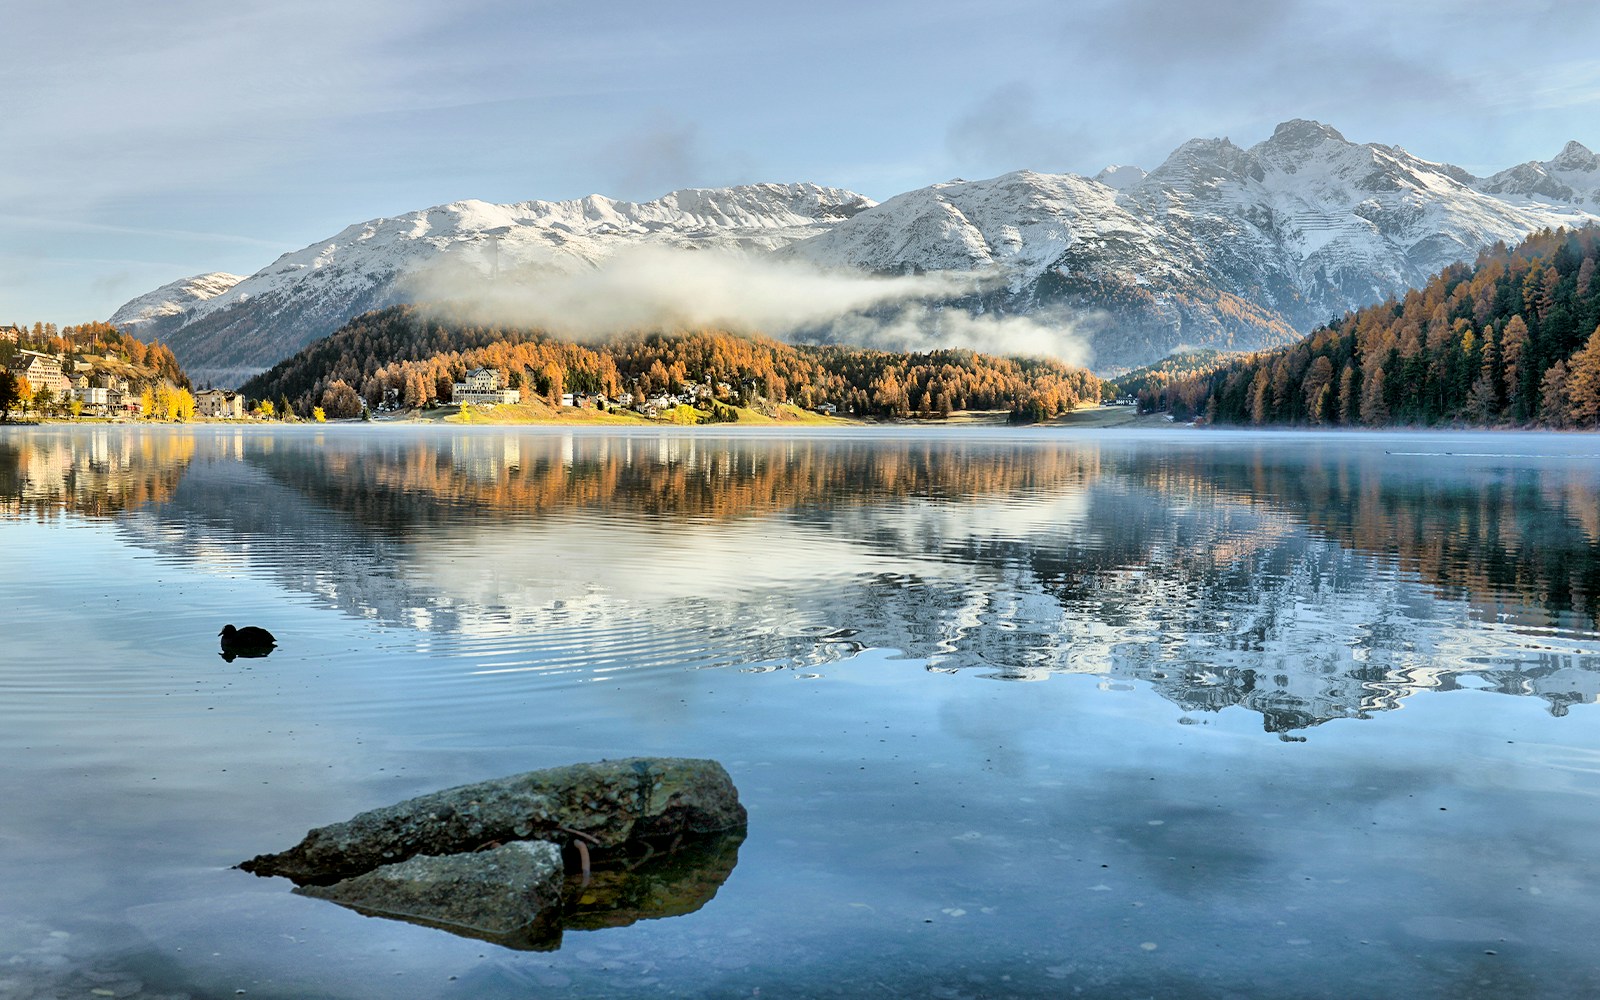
{"points": [[42, 372], [10, 334], [482, 386], [95, 400], [123, 403], [219, 403]]}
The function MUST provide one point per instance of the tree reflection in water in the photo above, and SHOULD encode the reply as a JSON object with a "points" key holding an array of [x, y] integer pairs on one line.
{"points": [[1305, 578]]}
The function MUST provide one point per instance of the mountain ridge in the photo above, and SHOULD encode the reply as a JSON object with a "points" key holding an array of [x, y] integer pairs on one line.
{"points": [[1219, 246], [172, 298]]}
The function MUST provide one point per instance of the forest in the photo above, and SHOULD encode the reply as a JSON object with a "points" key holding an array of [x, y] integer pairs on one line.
{"points": [[1145, 383], [102, 344], [101, 350], [1512, 340], [413, 355]]}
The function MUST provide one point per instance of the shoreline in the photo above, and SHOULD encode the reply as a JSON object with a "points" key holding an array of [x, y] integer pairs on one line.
{"points": [[1084, 418], [538, 415]]}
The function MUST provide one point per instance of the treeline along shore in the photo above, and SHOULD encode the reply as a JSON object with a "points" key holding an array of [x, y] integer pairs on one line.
{"points": [[409, 357], [91, 370], [1512, 340]]}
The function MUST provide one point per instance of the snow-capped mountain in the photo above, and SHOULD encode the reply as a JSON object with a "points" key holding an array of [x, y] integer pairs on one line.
{"points": [[309, 293], [1219, 246], [1573, 176], [173, 298]]}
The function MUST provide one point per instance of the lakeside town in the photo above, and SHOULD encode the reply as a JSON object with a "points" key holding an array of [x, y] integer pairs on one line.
{"points": [[46, 373], [95, 372], [78, 382]]}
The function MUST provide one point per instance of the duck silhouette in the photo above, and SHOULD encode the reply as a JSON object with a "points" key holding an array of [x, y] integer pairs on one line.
{"points": [[249, 641]]}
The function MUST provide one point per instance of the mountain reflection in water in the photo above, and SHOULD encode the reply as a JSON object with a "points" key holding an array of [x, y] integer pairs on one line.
{"points": [[1304, 578]]}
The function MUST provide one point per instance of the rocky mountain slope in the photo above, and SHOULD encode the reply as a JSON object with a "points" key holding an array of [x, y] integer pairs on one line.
{"points": [[305, 295], [1219, 246], [172, 299]]}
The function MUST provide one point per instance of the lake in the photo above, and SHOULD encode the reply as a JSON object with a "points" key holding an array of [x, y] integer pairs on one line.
{"points": [[1014, 713]]}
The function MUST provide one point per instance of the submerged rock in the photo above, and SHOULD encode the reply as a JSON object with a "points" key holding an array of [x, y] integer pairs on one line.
{"points": [[517, 896], [510, 895], [653, 884], [602, 805]]}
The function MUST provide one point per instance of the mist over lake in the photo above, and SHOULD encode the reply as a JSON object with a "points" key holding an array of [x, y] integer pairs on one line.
{"points": [[1014, 713]]}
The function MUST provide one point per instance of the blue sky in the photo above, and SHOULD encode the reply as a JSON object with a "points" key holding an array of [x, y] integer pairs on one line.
{"points": [[146, 142]]}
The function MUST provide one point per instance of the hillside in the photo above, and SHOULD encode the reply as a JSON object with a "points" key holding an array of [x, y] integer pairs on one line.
{"points": [[92, 369], [304, 295], [1145, 383], [1513, 340], [411, 356], [1220, 246], [172, 299]]}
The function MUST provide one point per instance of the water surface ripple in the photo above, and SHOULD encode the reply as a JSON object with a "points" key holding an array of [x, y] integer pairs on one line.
{"points": [[1310, 714]]}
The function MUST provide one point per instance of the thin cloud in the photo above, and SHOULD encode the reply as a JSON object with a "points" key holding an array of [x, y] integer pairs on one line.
{"points": [[665, 152], [920, 327], [297, 117], [1005, 130], [1172, 35], [661, 157], [100, 227]]}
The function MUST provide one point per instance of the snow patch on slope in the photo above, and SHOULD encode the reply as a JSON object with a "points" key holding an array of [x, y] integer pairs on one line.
{"points": [[1306, 223], [1219, 246], [173, 298], [566, 237], [1019, 222], [1572, 176]]}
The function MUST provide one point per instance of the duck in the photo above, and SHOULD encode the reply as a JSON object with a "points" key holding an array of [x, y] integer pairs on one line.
{"points": [[247, 641]]}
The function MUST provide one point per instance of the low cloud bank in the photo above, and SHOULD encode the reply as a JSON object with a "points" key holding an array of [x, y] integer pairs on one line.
{"points": [[653, 288], [920, 326]]}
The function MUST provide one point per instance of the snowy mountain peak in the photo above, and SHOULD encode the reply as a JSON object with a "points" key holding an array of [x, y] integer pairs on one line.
{"points": [[1305, 133], [760, 206], [1573, 176], [1017, 221], [1219, 246], [1575, 156], [1204, 149], [1302, 144], [173, 298], [1120, 176], [1199, 161], [242, 327]]}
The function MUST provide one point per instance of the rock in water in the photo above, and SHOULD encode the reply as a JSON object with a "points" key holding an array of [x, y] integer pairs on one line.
{"points": [[651, 886], [510, 895], [604, 804]]}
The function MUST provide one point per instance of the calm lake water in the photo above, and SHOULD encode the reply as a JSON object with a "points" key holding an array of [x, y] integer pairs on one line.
{"points": [[1195, 715]]}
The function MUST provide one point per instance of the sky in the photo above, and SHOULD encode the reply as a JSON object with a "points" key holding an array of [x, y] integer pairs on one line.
{"points": [[147, 142]]}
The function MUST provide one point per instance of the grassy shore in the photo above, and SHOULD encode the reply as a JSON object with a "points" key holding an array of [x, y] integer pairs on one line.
{"points": [[1095, 416]]}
